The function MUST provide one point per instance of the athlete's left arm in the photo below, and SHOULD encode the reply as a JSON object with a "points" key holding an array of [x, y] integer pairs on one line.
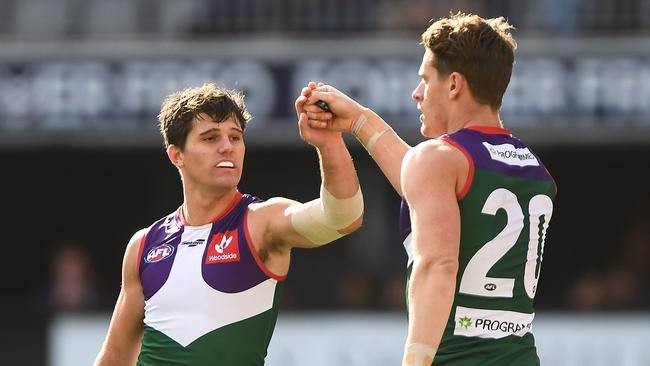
{"points": [[430, 179]]}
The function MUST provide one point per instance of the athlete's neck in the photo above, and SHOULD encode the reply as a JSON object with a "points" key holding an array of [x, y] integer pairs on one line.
{"points": [[476, 115], [200, 208]]}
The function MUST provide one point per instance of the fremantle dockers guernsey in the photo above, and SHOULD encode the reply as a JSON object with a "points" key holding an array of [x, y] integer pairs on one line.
{"points": [[505, 210], [209, 300]]}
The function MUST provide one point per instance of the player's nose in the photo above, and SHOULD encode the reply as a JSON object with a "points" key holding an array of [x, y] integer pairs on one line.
{"points": [[225, 146], [417, 92]]}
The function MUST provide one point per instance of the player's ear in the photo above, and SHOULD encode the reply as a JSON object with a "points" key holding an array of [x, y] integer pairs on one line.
{"points": [[175, 155], [456, 84]]}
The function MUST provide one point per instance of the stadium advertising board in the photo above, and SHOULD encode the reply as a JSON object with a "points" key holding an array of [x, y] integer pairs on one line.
{"points": [[85, 96]]}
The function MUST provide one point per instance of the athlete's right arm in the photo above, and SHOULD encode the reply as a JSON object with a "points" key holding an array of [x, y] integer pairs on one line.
{"points": [[122, 344], [376, 136]]}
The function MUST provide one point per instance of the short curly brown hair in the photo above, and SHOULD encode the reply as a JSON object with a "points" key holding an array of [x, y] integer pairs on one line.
{"points": [[180, 109], [480, 49]]}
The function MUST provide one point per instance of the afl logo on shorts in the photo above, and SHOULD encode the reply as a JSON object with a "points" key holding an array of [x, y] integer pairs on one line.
{"points": [[159, 253]]}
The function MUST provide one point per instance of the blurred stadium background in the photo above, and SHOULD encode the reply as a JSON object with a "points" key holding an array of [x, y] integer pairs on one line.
{"points": [[81, 82]]}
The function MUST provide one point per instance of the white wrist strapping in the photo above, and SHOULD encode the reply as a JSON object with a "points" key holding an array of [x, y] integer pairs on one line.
{"points": [[374, 137], [320, 220], [418, 354], [356, 127]]}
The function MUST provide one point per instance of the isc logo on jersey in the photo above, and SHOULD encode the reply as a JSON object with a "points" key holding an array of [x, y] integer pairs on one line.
{"points": [[159, 253], [223, 248]]}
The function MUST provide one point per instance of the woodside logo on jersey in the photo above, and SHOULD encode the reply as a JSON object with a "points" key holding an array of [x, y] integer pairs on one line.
{"points": [[159, 253], [223, 248]]}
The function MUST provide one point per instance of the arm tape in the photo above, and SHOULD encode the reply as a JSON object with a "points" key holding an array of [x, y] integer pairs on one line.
{"points": [[320, 220], [418, 354]]}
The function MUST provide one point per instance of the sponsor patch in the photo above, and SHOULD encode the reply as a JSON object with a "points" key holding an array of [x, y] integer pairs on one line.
{"points": [[493, 324], [223, 248], [159, 253], [508, 154], [193, 243]]}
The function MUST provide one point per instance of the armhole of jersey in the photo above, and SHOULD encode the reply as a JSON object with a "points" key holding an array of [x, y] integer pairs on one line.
{"points": [[141, 248], [251, 247], [470, 173], [552, 179]]}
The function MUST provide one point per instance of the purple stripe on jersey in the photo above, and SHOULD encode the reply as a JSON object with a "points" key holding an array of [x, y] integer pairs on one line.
{"points": [[404, 220], [233, 276], [472, 141], [165, 232]]}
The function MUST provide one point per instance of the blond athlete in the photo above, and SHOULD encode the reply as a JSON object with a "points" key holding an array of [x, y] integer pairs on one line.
{"points": [[476, 200], [201, 286]]}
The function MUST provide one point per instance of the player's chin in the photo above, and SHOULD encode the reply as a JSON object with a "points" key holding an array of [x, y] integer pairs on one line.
{"points": [[226, 180], [424, 131], [431, 133]]}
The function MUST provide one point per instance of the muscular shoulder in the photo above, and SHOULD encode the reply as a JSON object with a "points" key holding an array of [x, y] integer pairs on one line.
{"points": [[269, 217], [136, 239], [433, 154], [131, 254], [434, 162]]}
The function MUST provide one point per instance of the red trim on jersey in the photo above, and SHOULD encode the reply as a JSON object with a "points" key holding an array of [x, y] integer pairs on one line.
{"points": [[141, 249], [490, 130], [235, 201], [255, 255], [470, 174]]}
